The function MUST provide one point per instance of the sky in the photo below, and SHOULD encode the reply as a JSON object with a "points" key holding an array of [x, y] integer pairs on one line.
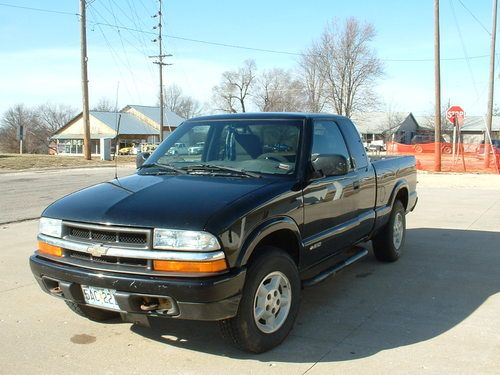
{"points": [[40, 50]]}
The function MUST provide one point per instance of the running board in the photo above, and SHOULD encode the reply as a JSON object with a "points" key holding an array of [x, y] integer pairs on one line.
{"points": [[336, 268]]}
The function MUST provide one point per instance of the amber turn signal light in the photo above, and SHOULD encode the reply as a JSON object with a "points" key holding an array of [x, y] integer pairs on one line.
{"points": [[190, 267], [48, 249]]}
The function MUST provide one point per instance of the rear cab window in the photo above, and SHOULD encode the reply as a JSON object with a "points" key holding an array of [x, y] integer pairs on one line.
{"points": [[354, 144], [327, 139]]}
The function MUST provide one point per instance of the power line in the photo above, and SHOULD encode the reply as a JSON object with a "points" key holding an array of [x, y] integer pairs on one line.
{"points": [[473, 16], [236, 46], [464, 49], [39, 9], [138, 37], [113, 53], [126, 61], [275, 51]]}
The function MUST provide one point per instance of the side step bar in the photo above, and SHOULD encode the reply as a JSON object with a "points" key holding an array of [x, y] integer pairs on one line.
{"points": [[336, 268]]}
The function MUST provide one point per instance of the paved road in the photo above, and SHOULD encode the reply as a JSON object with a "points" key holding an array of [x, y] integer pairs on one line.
{"points": [[433, 312], [24, 195]]}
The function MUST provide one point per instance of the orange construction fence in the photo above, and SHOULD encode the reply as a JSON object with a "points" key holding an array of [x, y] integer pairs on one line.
{"points": [[464, 157]]}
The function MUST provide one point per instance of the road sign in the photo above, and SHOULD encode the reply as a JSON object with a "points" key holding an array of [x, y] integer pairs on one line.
{"points": [[455, 111], [21, 132]]}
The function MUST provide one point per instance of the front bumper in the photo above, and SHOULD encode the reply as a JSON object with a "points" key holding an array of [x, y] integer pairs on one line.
{"points": [[203, 298]]}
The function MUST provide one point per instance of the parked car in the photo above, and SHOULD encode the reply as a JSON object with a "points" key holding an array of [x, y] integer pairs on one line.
{"points": [[377, 146], [232, 238], [178, 148], [125, 150], [494, 147], [197, 149]]}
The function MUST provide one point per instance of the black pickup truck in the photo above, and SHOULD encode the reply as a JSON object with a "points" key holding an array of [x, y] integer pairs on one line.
{"points": [[269, 204]]}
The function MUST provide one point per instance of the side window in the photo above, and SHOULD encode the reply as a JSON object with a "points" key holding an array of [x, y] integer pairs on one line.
{"points": [[354, 143], [327, 139]]}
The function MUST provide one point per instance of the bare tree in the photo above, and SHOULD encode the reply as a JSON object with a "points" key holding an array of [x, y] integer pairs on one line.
{"points": [[234, 89], [40, 123], [104, 105], [392, 124], [55, 116], [313, 84], [13, 118], [277, 91], [183, 105], [347, 64]]}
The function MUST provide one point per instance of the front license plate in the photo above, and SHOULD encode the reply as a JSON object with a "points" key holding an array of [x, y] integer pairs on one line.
{"points": [[100, 297]]}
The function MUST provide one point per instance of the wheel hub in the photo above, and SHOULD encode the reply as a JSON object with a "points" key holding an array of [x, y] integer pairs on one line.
{"points": [[398, 231], [272, 302]]}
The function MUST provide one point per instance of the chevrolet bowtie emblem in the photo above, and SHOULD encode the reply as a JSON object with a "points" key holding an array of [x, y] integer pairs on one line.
{"points": [[97, 250]]}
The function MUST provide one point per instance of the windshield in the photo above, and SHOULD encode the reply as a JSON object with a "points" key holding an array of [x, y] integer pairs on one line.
{"points": [[261, 146]]}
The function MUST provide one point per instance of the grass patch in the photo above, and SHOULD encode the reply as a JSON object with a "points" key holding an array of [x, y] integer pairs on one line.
{"points": [[29, 161]]}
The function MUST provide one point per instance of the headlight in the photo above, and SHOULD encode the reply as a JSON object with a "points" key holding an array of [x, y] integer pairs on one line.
{"points": [[172, 239], [50, 227]]}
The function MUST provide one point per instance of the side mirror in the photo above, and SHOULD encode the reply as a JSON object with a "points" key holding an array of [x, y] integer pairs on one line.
{"points": [[330, 165], [141, 158]]}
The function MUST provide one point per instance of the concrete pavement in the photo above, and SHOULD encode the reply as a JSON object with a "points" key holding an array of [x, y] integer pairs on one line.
{"points": [[435, 311], [24, 195]]}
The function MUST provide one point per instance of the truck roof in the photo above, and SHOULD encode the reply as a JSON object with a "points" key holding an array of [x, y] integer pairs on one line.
{"points": [[267, 116]]}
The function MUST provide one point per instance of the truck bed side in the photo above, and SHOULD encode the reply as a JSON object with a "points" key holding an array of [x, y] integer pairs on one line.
{"points": [[396, 177]]}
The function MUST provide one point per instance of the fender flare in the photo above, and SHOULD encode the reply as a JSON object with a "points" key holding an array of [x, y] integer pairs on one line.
{"points": [[400, 185], [264, 229]]}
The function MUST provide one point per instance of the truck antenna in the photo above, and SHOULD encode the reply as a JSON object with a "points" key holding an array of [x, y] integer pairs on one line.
{"points": [[118, 120], [116, 145]]}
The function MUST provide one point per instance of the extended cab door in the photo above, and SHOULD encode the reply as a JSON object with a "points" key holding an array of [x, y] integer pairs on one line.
{"points": [[365, 184], [329, 202]]}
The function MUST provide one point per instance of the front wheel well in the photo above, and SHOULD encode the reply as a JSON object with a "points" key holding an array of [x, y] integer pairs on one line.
{"points": [[283, 239]]}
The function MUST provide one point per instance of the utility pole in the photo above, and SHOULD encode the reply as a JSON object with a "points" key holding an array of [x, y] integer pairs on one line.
{"points": [[489, 114], [160, 64], [437, 85], [85, 80]]}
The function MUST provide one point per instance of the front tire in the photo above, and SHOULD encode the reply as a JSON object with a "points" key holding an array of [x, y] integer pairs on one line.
{"points": [[269, 304], [92, 313], [388, 243]]}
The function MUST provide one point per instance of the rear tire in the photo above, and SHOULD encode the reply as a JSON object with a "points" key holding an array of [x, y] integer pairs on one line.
{"points": [[92, 313], [388, 243], [269, 303]]}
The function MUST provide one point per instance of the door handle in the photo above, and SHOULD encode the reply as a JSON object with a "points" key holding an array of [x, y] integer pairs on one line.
{"points": [[355, 185]]}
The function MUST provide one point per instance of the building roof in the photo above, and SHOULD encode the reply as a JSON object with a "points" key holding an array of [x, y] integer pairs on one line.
{"points": [[471, 123], [129, 124], [478, 123], [169, 118], [377, 122]]}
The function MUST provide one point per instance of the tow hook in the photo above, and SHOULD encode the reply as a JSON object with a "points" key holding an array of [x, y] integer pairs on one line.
{"points": [[157, 305], [149, 306], [56, 290]]}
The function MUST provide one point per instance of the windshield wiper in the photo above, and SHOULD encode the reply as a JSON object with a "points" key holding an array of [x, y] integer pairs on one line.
{"points": [[164, 167], [212, 168]]}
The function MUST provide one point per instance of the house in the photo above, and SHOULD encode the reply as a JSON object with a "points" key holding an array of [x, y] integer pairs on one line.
{"points": [[135, 124], [474, 127], [151, 116], [397, 126]]}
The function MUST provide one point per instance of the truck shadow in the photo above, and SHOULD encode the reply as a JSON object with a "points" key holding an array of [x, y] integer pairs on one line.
{"points": [[443, 277]]}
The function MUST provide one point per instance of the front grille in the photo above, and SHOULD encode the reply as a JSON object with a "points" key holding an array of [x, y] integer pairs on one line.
{"points": [[110, 235], [106, 236], [131, 262]]}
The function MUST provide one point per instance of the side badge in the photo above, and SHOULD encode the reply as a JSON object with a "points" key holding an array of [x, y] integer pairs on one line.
{"points": [[315, 246]]}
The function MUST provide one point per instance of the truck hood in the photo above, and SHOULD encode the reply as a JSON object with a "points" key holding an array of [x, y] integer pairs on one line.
{"points": [[179, 202]]}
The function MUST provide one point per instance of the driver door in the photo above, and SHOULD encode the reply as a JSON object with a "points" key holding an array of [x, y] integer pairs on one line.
{"points": [[329, 207]]}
